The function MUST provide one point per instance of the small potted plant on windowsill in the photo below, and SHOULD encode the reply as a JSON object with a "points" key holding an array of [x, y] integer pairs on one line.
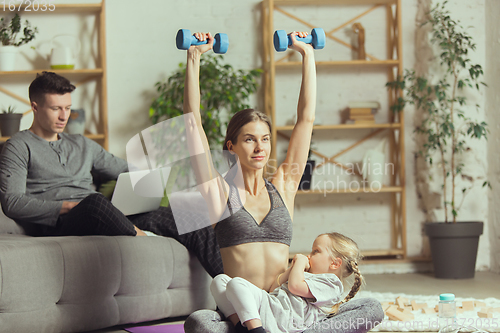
{"points": [[9, 31], [10, 121], [446, 130]]}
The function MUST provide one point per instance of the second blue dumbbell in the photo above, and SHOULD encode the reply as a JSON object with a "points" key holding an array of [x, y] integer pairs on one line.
{"points": [[185, 39], [316, 38]]}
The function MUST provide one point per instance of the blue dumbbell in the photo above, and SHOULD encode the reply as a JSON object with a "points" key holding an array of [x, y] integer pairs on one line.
{"points": [[282, 41], [184, 40]]}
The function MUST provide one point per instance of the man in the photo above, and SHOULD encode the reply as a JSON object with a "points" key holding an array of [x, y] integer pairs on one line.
{"points": [[46, 179]]}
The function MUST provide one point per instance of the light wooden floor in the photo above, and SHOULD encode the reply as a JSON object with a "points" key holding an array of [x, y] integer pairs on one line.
{"points": [[484, 285]]}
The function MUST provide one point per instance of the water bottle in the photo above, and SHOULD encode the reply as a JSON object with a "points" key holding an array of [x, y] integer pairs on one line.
{"points": [[447, 310]]}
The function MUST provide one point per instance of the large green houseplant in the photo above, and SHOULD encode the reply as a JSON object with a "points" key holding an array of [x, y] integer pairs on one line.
{"points": [[13, 35], [224, 91], [446, 130]]}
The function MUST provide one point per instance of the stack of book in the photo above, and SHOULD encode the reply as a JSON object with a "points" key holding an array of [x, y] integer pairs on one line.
{"points": [[362, 112]]}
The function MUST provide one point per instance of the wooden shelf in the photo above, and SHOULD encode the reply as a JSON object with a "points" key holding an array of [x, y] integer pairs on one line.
{"points": [[364, 63], [79, 76], [345, 126], [68, 72], [390, 63], [332, 2], [58, 8], [90, 136], [384, 189]]}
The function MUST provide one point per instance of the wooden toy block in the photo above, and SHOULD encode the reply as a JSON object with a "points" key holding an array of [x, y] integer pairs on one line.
{"points": [[428, 310], [436, 308], [390, 306], [479, 304], [481, 314], [401, 301], [417, 306], [406, 309], [486, 309], [468, 305], [395, 314]]}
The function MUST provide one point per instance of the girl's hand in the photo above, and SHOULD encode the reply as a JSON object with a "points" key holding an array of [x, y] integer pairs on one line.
{"points": [[299, 46], [203, 47], [301, 260]]}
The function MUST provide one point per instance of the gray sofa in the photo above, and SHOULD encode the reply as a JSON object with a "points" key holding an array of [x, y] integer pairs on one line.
{"points": [[75, 284]]}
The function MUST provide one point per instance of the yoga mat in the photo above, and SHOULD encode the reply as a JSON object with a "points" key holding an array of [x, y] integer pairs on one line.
{"points": [[167, 328]]}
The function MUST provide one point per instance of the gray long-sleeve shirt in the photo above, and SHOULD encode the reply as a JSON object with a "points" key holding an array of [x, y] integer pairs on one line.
{"points": [[36, 176]]}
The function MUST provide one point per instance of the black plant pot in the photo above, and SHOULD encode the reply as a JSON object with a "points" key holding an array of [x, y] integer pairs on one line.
{"points": [[305, 181], [454, 248], [10, 123]]}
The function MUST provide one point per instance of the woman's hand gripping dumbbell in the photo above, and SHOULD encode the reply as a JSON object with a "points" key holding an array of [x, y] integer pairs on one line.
{"points": [[282, 41], [185, 39]]}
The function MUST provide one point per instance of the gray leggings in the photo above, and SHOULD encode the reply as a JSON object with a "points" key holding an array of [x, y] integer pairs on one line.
{"points": [[355, 316]]}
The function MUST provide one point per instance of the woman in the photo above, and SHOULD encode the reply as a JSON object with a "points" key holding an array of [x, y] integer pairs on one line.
{"points": [[255, 237]]}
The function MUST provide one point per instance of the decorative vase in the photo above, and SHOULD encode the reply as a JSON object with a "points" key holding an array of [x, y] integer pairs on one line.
{"points": [[454, 248], [7, 57], [305, 181], [10, 123], [76, 122]]}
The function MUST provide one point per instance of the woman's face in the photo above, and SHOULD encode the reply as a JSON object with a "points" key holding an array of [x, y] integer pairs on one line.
{"points": [[253, 145]]}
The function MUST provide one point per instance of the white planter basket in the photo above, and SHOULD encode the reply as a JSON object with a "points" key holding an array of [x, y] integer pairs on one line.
{"points": [[7, 58]]}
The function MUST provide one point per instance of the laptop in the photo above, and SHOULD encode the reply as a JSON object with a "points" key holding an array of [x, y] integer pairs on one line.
{"points": [[140, 191]]}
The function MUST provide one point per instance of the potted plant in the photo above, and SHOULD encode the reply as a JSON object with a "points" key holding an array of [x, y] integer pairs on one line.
{"points": [[224, 91], [10, 40], [10, 121], [446, 131]]}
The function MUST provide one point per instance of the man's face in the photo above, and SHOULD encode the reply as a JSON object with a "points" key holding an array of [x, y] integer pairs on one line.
{"points": [[53, 113]]}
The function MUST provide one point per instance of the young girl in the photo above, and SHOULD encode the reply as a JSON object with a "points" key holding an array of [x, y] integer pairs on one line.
{"points": [[309, 291]]}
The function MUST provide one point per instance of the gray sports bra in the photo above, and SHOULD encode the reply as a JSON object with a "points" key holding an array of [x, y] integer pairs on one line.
{"points": [[240, 227]]}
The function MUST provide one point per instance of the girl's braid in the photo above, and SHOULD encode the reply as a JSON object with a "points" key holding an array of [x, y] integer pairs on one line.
{"points": [[351, 268]]}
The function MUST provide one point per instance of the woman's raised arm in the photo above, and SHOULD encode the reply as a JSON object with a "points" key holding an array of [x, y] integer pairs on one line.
{"points": [[210, 183], [300, 140]]}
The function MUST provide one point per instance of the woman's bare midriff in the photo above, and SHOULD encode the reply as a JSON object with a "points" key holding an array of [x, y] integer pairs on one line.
{"points": [[260, 263]]}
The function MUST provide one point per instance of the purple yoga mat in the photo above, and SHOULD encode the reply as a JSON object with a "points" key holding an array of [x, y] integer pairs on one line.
{"points": [[167, 328]]}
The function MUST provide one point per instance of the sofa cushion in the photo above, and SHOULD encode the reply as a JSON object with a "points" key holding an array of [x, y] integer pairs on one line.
{"points": [[74, 284]]}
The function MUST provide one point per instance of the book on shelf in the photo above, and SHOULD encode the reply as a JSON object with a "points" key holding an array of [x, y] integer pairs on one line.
{"points": [[364, 121], [354, 117], [362, 111]]}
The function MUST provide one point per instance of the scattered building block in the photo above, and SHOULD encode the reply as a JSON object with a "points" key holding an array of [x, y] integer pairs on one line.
{"points": [[428, 310], [406, 309], [401, 301], [395, 314], [391, 306], [479, 304], [468, 305], [436, 308], [417, 306], [481, 314]]}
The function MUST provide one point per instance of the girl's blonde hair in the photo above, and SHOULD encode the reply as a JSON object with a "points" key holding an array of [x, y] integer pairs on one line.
{"points": [[345, 248]]}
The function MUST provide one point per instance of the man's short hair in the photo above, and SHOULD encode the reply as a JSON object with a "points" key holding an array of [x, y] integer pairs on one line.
{"points": [[48, 83]]}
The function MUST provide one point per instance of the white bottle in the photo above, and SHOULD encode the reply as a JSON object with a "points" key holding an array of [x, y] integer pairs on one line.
{"points": [[447, 311]]}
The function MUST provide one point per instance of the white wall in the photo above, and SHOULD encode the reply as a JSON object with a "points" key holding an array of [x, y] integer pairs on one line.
{"points": [[141, 51], [493, 118]]}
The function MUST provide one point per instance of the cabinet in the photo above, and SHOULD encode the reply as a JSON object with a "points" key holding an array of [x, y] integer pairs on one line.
{"points": [[78, 77], [392, 126]]}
